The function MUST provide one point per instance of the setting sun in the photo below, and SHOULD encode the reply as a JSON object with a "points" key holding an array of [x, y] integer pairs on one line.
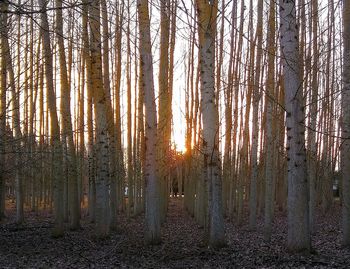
{"points": [[178, 141]]}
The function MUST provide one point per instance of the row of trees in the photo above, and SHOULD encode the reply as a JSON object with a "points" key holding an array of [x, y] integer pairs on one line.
{"points": [[262, 119]]}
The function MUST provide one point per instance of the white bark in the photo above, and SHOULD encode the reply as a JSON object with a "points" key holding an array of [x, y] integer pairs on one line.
{"points": [[207, 29], [152, 214], [102, 208], [298, 211]]}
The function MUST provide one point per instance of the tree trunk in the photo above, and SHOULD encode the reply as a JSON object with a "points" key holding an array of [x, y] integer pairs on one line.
{"points": [[3, 85], [164, 114], [345, 145], [298, 211], [152, 214], [99, 100], [270, 119], [255, 122], [56, 145], [206, 13], [312, 160], [73, 199]]}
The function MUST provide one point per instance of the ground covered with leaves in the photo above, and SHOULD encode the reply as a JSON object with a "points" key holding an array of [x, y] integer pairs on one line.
{"points": [[31, 245]]}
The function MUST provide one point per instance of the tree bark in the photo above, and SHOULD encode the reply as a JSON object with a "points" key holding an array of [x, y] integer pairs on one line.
{"points": [[206, 13], [3, 85], [73, 198], [298, 211], [345, 145], [56, 145], [99, 100], [255, 122], [152, 214], [270, 139]]}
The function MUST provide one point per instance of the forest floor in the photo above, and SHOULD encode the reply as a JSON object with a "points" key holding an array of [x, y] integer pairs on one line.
{"points": [[31, 245]]}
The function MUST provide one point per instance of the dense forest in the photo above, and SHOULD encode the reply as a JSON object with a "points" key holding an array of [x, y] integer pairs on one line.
{"points": [[174, 134]]}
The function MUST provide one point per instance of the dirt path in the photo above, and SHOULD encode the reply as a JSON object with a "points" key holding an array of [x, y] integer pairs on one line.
{"points": [[31, 246]]}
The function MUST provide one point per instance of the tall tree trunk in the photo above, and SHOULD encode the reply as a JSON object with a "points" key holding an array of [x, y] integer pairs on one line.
{"points": [[73, 199], [15, 117], [298, 211], [90, 146], [345, 145], [255, 122], [270, 139], [130, 173], [312, 160], [206, 13], [110, 120], [152, 214], [56, 145], [100, 108], [117, 104], [164, 115], [3, 85]]}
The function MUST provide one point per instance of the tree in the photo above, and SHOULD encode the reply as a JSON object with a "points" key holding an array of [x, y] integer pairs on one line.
{"points": [[152, 214], [100, 108], [73, 199], [206, 12], [117, 105], [15, 117], [298, 211], [270, 139], [164, 115], [255, 130], [110, 121], [56, 145], [129, 122], [345, 125], [90, 131], [3, 85]]}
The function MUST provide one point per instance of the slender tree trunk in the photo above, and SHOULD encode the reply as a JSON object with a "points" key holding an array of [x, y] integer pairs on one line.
{"points": [[206, 13], [73, 199], [312, 160], [130, 173], [152, 215], [15, 118], [298, 211], [164, 115], [100, 107], [117, 104], [90, 147], [110, 120], [255, 122], [270, 139], [55, 129], [3, 85], [345, 145]]}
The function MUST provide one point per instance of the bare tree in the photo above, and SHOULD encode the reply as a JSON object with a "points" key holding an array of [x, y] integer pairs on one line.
{"points": [[298, 210]]}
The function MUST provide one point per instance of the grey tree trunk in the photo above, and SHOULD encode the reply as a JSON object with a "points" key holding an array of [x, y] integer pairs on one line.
{"points": [[312, 160], [298, 210], [152, 214], [206, 13], [54, 126], [72, 186], [270, 137], [102, 207], [345, 145], [3, 84], [255, 130]]}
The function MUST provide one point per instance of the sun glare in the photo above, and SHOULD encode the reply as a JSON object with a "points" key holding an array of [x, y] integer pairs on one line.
{"points": [[178, 142]]}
